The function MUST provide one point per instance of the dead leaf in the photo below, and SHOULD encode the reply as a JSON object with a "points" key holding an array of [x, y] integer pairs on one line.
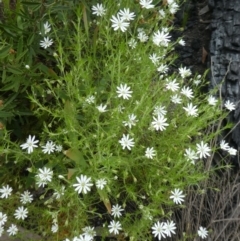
{"points": [[204, 10], [71, 171], [204, 55]]}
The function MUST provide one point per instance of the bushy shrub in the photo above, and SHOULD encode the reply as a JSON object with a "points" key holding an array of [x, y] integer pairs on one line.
{"points": [[115, 134]]}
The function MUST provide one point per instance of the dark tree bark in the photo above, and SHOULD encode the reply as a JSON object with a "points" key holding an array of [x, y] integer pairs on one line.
{"points": [[225, 57]]}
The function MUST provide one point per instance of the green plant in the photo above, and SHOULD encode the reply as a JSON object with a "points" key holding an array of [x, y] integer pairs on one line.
{"points": [[133, 136]]}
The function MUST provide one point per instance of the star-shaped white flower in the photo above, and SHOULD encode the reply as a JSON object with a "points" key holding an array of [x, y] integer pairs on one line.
{"points": [[146, 4], [6, 191], [203, 149], [159, 123], [124, 91], [126, 15], [191, 110], [98, 10], [114, 227], [126, 142], [150, 153], [160, 38], [30, 144], [187, 92], [177, 196], [116, 211], [229, 105], [184, 72], [84, 184], [119, 23], [46, 42], [159, 230], [202, 232], [21, 213]]}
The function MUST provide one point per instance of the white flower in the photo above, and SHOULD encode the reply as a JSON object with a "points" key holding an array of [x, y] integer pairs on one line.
{"points": [[102, 108], [162, 13], [126, 15], [211, 100], [142, 37], [59, 193], [150, 153], [161, 38], [126, 142], [58, 148], [27, 66], [159, 123], [132, 43], [169, 228], [54, 228], [176, 99], [3, 219], [146, 4], [163, 68], [177, 196], [46, 42], [83, 237], [118, 23], [173, 8], [184, 72], [203, 149], [172, 85], [191, 155], [89, 231], [202, 232], [191, 110], [114, 227], [224, 145], [100, 183], [6, 191], [90, 99], [48, 148], [98, 10], [197, 82], [229, 105], [124, 91], [84, 184], [159, 230], [30, 144], [160, 110], [47, 27], [21, 213], [232, 151], [12, 230], [187, 92], [131, 121], [154, 58], [182, 42], [116, 211], [45, 174]]}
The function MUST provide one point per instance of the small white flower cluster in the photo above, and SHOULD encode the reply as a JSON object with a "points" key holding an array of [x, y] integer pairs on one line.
{"points": [[172, 6], [48, 148], [87, 235], [20, 213], [46, 42], [225, 146], [163, 229], [202, 151]]}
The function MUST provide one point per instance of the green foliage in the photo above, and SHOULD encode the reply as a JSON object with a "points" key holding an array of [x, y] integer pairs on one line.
{"points": [[55, 94]]}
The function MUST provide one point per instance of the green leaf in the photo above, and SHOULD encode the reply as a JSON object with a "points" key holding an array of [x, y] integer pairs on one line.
{"points": [[30, 39], [14, 85], [5, 114], [76, 156], [14, 70], [4, 52]]}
